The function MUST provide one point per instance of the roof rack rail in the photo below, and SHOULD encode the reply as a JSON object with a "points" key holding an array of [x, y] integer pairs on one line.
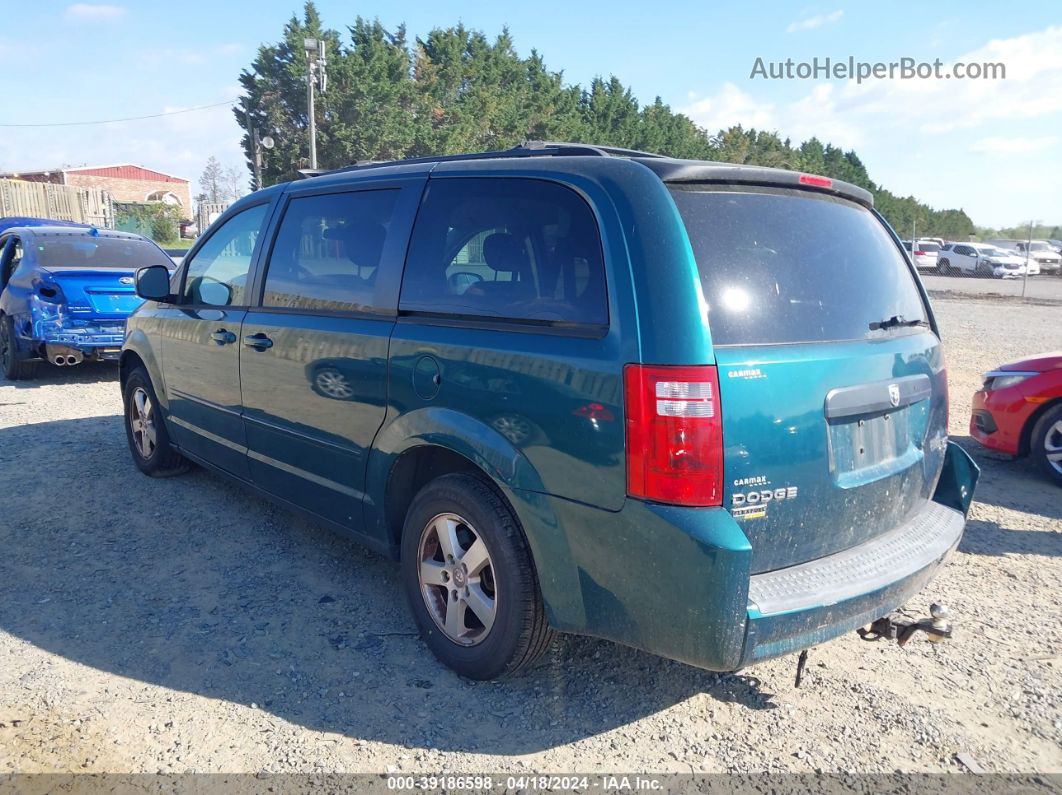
{"points": [[526, 149]]}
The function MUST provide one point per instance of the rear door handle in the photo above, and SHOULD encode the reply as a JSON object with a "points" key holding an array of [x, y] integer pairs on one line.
{"points": [[223, 337], [258, 341]]}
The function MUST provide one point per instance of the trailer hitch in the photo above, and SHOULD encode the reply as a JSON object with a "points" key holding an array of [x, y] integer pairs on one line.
{"points": [[901, 628]]}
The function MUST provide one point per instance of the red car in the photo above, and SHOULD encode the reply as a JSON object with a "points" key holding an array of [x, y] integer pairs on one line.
{"points": [[1019, 411]]}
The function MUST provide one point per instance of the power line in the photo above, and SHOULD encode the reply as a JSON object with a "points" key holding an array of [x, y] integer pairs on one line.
{"points": [[128, 118]]}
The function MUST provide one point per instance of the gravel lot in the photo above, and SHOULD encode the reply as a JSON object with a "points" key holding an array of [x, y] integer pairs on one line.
{"points": [[183, 624], [1037, 288]]}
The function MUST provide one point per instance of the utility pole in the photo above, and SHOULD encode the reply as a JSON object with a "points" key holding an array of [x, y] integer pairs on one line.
{"points": [[256, 148], [1028, 256], [315, 75]]}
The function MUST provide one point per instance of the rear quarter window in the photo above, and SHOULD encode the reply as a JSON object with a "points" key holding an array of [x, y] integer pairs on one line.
{"points": [[516, 250], [787, 266]]}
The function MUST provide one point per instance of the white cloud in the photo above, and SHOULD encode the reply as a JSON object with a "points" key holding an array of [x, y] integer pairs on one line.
{"points": [[229, 48], [93, 11], [728, 107], [186, 57], [915, 133], [810, 23], [178, 144], [849, 112], [1013, 146], [10, 50]]}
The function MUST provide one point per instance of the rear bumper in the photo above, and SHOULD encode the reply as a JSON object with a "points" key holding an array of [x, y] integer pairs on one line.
{"points": [[677, 581], [796, 607], [99, 337]]}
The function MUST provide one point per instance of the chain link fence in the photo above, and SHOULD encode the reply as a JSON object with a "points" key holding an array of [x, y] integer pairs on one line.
{"points": [[1013, 269]]}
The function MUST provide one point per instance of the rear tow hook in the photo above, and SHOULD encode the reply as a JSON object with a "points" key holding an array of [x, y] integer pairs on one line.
{"points": [[901, 629]]}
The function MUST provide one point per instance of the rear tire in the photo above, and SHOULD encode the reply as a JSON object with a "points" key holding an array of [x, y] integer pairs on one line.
{"points": [[944, 267], [464, 513], [145, 429], [13, 368], [1046, 444]]}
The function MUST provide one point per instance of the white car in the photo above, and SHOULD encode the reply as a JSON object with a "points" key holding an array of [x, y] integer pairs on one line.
{"points": [[980, 259], [924, 254], [1038, 253]]}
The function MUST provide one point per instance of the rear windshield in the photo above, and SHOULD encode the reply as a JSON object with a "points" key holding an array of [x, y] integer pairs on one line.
{"points": [[98, 252], [783, 266], [930, 247]]}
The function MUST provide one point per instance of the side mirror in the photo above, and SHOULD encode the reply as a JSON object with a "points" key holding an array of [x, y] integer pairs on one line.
{"points": [[153, 283]]}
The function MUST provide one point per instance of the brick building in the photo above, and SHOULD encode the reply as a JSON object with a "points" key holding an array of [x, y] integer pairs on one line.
{"points": [[125, 182]]}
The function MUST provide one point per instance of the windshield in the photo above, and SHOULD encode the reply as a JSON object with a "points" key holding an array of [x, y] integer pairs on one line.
{"points": [[1038, 247], [782, 266], [98, 252], [992, 251]]}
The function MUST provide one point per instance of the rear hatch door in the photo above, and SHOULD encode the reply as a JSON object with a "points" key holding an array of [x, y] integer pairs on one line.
{"points": [[832, 384]]}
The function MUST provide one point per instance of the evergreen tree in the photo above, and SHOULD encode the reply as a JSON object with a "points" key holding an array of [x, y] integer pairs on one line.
{"points": [[455, 90]]}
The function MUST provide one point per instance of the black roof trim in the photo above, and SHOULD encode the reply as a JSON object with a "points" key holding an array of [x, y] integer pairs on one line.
{"points": [[667, 168], [526, 149]]}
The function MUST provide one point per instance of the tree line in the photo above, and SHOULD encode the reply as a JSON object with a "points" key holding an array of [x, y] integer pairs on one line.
{"points": [[456, 90]]}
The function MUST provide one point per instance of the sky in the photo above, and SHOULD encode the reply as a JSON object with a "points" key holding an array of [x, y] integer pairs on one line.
{"points": [[991, 147]]}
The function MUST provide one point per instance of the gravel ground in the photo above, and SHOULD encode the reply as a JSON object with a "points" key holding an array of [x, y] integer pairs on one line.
{"points": [[185, 625]]}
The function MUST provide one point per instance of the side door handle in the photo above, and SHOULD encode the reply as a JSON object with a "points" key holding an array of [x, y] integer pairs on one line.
{"points": [[223, 337], [259, 342]]}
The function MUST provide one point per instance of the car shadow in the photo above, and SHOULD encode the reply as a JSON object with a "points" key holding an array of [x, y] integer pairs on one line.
{"points": [[1017, 485], [84, 373], [195, 584]]}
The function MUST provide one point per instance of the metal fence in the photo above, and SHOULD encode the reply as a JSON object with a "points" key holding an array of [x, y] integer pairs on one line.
{"points": [[208, 212], [993, 269], [58, 202]]}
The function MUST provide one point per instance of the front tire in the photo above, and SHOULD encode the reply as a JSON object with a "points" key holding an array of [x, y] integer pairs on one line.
{"points": [[145, 429], [13, 368], [470, 580], [1046, 444]]}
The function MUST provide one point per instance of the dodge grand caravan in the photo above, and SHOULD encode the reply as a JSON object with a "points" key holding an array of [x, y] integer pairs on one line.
{"points": [[695, 408]]}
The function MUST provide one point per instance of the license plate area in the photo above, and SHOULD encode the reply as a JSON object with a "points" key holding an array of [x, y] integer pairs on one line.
{"points": [[877, 429], [116, 303]]}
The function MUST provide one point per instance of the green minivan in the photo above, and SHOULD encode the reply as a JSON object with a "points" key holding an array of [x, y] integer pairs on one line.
{"points": [[692, 407]]}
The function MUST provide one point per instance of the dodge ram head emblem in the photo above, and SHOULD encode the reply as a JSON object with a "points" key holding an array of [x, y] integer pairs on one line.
{"points": [[894, 395]]}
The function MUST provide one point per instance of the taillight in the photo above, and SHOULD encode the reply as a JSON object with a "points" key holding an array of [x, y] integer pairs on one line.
{"points": [[920, 253], [819, 182], [674, 434]]}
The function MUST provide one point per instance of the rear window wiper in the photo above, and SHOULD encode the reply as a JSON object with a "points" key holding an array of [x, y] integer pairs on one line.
{"points": [[896, 321]]}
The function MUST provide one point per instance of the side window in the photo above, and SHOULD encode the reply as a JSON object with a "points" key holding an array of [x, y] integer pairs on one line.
{"points": [[513, 249], [327, 252], [217, 274]]}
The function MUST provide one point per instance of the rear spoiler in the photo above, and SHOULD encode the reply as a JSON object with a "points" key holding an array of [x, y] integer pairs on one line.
{"points": [[702, 171]]}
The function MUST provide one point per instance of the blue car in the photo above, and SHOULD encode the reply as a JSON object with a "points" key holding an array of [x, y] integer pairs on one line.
{"points": [[23, 220], [65, 294]]}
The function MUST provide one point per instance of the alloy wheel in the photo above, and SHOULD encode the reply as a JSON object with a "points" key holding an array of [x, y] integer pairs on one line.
{"points": [[334, 385], [456, 577], [1053, 446], [514, 428], [142, 422]]}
